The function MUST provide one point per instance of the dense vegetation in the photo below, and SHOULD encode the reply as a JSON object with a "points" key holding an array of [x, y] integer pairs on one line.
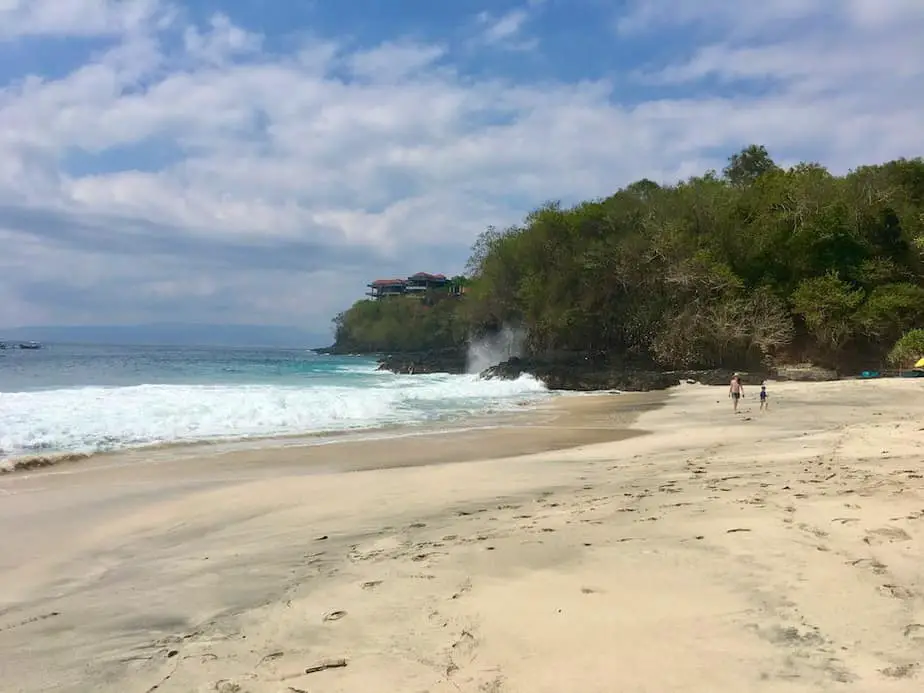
{"points": [[758, 264], [404, 323]]}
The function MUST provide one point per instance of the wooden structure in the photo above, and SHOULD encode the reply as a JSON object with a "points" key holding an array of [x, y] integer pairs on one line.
{"points": [[422, 282], [415, 285], [382, 288]]}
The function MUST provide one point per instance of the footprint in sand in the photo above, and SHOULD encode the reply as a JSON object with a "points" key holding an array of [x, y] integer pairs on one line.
{"points": [[877, 567], [886, 534], [271, 657], [901, 671], [814, 531], [334, 615], [896, 592], [464, 588], [462, 652]]}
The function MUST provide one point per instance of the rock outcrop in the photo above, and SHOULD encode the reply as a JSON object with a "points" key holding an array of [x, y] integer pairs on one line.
{"points": [[588, 371], [419, 362]]}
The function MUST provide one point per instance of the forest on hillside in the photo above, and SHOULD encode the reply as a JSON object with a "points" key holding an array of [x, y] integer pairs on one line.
{"points": [[756, 265]]}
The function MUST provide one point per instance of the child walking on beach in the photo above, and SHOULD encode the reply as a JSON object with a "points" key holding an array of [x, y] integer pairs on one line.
{"points": [[764, 397]]}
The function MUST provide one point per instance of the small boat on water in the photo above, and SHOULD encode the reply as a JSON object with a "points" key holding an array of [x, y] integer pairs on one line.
{"points": [[30, 345]]}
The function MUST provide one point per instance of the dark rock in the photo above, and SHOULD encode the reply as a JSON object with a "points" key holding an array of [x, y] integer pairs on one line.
{"points": [[582, 374], [587, 372], [451, 360]]}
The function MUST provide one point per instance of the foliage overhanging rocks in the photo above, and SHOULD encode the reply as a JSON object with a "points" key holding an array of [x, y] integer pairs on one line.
{"points": [[748, 269]]}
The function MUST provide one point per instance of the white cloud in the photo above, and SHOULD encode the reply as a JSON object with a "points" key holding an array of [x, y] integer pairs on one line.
{"points": [[721, 15], [506, 31], [392, 61], [737, 20], [504, 27], [221, 42], [214, 147], [80, 17]]}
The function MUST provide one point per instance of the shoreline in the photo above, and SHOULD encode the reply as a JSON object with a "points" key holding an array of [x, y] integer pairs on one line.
{"points": [[505, 430], [768, 551], [52, 419], [523, 412]]}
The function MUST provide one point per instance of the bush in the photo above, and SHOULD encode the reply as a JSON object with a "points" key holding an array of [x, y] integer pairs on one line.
{"points": [[908, 349]]}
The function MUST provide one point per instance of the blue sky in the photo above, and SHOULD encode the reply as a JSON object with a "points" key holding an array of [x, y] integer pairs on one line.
{"points": [[250, 162]]}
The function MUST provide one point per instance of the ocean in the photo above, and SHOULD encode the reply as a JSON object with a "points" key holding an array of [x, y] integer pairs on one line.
{"points": [[82, 399]]}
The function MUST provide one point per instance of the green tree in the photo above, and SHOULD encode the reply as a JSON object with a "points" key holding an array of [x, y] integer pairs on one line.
{"points": [[827, 305], [890, 310], [748, 165], [908, 350]]}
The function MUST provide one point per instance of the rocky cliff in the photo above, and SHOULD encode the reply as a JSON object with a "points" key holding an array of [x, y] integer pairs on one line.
{"points": [[587, 371]]}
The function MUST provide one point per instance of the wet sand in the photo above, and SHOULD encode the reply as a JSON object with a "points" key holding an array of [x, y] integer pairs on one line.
{"points": [[604, 543]]}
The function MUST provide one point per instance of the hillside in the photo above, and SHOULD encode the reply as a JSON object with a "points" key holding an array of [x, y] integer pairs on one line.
{"points": [[752, 266]]}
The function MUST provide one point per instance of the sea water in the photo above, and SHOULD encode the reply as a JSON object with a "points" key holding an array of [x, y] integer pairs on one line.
{"points": [[81, 399]]}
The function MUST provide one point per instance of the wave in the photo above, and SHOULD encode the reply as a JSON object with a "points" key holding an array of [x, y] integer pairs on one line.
{"points": [[79, 421]]}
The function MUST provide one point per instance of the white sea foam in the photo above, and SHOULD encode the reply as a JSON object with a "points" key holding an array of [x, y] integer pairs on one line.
{"points": [[493, 349], [95, 419]]}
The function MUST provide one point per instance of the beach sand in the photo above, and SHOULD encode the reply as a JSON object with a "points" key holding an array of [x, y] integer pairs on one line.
{"points": [[700, 551]]}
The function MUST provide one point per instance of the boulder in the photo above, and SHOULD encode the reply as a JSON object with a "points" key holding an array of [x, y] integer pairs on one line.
{"points": [[419, 362]]}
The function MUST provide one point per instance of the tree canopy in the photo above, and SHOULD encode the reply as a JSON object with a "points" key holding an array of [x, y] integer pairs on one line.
{"points": [[761, 264]]}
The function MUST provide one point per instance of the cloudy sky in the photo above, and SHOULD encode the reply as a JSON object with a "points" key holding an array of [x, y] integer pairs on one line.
{"points": [[254, 161]]}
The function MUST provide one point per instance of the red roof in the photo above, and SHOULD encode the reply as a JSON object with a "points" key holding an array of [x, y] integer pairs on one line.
{"points": [[427, 275], [388, 282]]}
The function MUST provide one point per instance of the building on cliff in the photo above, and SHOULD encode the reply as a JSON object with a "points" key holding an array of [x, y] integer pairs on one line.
{"points": [[415, 285]]}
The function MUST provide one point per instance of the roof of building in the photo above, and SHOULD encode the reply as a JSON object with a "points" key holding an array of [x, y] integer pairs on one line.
{"points": [[388, 282], [427, 275]]}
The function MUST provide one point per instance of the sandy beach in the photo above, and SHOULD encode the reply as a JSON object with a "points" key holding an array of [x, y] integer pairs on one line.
{"points": [[636, 543]]}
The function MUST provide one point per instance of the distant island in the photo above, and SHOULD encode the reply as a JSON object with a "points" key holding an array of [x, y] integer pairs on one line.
{"points": [[752, 268]]}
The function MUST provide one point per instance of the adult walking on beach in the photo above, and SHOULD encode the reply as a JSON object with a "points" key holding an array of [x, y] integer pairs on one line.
{"points": [[735, 391]]}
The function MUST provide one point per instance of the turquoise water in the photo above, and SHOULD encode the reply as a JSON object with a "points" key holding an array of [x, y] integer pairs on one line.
{"points": [[65, 366], [66, 399]]}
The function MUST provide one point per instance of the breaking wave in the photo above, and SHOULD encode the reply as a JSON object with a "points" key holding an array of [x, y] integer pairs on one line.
{"points": [[74, 422]]}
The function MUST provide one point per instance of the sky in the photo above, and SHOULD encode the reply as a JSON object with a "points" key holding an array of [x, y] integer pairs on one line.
{"points": [[254, 162]]}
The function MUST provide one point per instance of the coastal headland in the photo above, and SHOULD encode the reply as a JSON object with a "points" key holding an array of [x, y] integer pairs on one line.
{"points": [[598, 543]]}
